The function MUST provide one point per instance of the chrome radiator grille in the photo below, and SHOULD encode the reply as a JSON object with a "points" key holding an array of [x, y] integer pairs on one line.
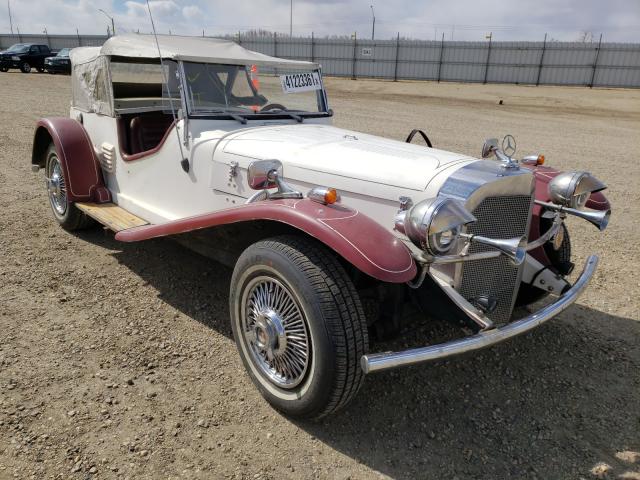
{"points": [[498, 217]]}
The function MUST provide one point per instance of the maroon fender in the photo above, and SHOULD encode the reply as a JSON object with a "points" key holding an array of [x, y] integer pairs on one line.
{"points": [[543, 175], [357, 238], [75, 152]]}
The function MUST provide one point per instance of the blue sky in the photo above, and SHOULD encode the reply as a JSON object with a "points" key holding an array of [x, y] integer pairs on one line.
{"points": [[618, 20]]}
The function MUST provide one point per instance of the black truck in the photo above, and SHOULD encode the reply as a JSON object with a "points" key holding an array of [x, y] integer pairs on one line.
{"points": [[24, 56]]}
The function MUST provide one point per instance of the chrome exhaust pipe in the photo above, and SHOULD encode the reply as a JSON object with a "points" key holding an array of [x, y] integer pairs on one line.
{"points": [[513, 248]]}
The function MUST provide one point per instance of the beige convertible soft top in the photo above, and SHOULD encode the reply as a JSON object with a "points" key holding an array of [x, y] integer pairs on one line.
{"points": [[193, 49], [90, 65]]}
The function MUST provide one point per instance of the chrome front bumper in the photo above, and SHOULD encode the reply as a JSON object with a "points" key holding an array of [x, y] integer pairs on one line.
{"points": [[384, 361]]}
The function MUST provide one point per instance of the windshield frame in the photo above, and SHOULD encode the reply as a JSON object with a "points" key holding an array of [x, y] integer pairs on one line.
{"points": [[66, 54], [233, 114]]}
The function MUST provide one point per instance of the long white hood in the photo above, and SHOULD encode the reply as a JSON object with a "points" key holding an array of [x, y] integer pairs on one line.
{"points": [[311, 152]]}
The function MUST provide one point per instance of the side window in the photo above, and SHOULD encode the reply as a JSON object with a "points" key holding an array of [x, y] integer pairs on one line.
{"points": [[33, 49]]}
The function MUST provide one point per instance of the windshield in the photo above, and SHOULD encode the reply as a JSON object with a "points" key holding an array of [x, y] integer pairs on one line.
{"points": [[251, 90], [19, 48], [64, 52]]}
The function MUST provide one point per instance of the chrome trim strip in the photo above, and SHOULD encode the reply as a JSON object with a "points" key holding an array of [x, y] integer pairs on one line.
{"points": [[383, 361]]}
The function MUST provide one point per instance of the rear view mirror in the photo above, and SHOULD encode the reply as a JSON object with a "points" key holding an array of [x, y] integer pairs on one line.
{"points": [[263, 174]]}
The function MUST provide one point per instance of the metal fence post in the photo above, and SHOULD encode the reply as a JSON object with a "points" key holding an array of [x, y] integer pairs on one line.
{"points": [[440, 61], [353, 67], [544, 47], [313, 53], [239, 39], [275, 44], [595, 62], [395, 70], [486, 68], [79, 39]]}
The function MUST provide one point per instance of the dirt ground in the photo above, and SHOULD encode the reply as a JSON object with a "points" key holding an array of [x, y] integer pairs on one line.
{"points": [[116, 360]]}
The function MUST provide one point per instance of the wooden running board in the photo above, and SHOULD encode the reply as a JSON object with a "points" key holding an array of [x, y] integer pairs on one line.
{"points": [[111, 216]]}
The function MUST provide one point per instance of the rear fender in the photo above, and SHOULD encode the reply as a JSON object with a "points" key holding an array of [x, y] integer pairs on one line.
{"points": [[543, 175], [77, 158], [360, 240]]}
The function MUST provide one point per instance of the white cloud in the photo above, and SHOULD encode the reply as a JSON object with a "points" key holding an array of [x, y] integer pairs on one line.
{"points": [[619, 20], [191, 12]]}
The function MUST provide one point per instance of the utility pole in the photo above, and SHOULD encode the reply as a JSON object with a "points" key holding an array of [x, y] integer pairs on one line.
{"points": [[10, 18], [373, 25], [486, 68], [291, 20], [113, 25]]}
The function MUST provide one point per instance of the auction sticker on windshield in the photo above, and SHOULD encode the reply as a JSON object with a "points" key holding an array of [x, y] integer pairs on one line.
{"points": [[300, 82]]}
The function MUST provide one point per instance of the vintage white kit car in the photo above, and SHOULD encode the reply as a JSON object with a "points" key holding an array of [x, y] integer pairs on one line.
{"points": [[333, 235]]}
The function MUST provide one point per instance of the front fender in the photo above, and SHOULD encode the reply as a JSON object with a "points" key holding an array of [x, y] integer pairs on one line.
{"points": [[360, 240], [75, 152], [543, 175]]}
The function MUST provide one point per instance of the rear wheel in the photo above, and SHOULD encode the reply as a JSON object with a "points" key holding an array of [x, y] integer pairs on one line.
{"points": [[298, 325], [25, 67], [4, 69], [66, 213]]}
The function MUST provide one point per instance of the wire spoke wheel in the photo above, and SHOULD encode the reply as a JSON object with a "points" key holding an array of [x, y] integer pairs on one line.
{"points": [[56, 186], [275, 332]]}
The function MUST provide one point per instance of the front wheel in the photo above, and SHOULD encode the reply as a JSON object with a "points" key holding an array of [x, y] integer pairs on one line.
{"points": [[65, 212], [25, 67], [298, 325]]}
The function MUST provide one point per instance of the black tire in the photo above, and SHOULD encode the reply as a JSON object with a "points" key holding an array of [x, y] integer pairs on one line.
{"points": [[328, 305], [25, 67], [4, 69], [65, 212], [529, 294], [40, 70]]}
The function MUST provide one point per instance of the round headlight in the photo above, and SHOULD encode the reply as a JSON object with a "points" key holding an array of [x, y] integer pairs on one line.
{"points": [[434, 225], [572, 189], [442, 242]]}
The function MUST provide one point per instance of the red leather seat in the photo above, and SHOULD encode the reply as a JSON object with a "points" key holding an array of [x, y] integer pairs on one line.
{"points": [[147, 131]]}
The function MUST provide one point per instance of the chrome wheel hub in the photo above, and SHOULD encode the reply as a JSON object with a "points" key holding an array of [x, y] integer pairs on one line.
{"points": [[275, 332], [56, 187]]}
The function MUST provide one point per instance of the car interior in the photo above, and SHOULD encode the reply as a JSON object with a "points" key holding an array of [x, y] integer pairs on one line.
{"points": [[144, 113]]}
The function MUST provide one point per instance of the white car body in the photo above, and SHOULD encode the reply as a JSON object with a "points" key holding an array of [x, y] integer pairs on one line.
{"points": [[475, 230]]}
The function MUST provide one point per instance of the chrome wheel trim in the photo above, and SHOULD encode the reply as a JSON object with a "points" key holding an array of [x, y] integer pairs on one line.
{"points": [[275, 333], [56, 186]]}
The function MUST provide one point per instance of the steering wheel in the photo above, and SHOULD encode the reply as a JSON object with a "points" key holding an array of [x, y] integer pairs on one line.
{"points": [[272, 106]]}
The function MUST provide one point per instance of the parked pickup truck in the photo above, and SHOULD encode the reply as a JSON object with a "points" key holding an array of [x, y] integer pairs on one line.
{"points": [[24, 56]]}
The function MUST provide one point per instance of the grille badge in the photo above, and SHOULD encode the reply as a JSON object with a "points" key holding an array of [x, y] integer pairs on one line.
{"points": [[486, 303]]}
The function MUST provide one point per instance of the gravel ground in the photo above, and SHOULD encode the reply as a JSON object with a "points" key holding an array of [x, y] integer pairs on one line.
{"points": [[116, 360]]}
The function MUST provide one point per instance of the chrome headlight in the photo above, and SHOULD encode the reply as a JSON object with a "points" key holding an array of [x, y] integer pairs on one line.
{"points": [[15, 58], [572, 189], [434, 225]]}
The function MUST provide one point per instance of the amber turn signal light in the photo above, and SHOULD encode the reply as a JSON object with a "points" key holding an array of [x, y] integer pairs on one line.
{"points": [[533, 160], [324, 195]]}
